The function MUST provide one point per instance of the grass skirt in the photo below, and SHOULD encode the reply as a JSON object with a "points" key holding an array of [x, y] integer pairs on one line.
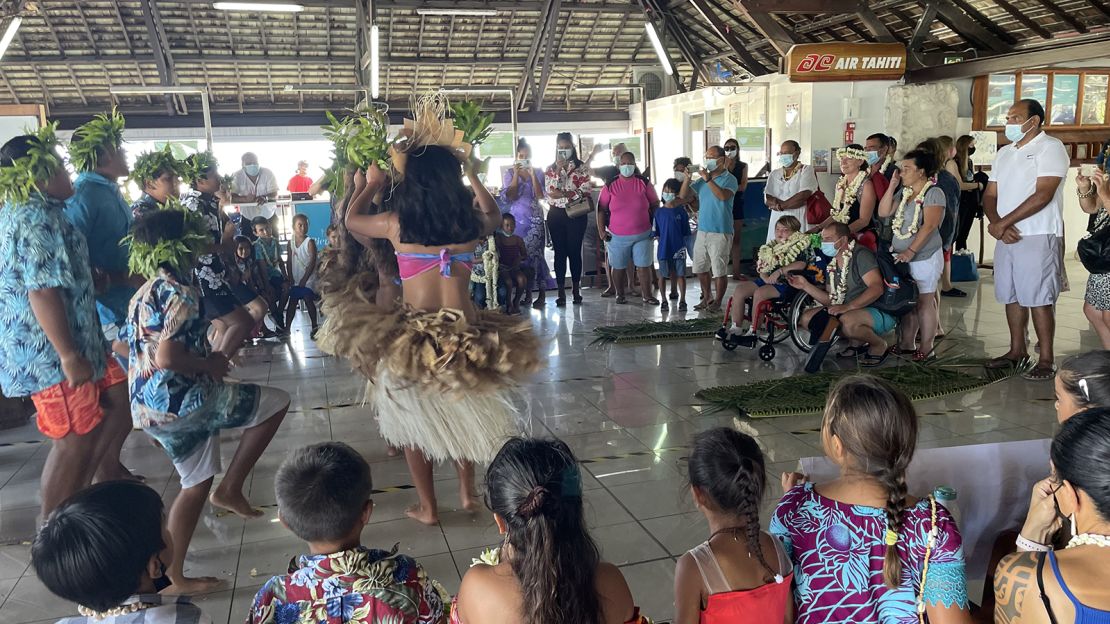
{"points": [[436, 381]]}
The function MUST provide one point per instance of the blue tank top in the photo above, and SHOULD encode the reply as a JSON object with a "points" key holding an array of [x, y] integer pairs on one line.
{"points": [[1083, 613]]}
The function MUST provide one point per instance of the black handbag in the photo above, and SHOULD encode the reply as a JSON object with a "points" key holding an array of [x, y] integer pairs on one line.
{"points": [[1094, 248]]}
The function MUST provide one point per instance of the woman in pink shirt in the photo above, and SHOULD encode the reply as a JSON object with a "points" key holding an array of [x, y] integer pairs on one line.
{"points": [[627, 204]]}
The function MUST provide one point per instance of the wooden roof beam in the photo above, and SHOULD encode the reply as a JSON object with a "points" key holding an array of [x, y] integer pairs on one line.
{"points": [[965, 27], [528, 76], [1063, 15], [549, 44], [984, 21], [779, 38], [153, 29], [1024, 19], [682, 40], [875, 25], [924, 26], [738, 47]]}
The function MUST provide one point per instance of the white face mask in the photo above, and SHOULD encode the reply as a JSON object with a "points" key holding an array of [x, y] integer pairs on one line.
{"points": [[1015, 133], [731, 153]]}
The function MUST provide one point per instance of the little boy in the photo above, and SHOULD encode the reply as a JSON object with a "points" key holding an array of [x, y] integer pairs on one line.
{"points": [[178, 395], [672, 226], [268, 253], [323, 496], [302, 261], [104, 549], [511, 254]]}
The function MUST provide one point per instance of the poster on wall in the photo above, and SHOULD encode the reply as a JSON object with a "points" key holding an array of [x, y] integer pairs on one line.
{"points": [[499, 145], [632, 144], [750, 139], [821, 161], [793, 116], [712, 136], [986, 146], [734, 111]]}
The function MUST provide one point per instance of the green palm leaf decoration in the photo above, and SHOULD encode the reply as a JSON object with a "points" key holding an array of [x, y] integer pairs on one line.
{"points": [[178, 254], [196, 167], [18, 180], [104, 133], [151, 165], [476, 126], [656, 331]]}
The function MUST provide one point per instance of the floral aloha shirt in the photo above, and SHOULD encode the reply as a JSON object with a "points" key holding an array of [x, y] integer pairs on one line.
{"points": [[360, 586], [211, 275]]}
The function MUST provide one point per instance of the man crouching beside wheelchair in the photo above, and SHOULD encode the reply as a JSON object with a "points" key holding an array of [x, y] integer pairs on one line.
{"points": [[853, 284]]}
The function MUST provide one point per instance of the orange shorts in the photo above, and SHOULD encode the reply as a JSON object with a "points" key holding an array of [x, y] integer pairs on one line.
{"points": [[63, 409]]}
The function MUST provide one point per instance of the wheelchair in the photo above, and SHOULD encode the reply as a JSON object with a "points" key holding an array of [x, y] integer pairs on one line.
{"points": [[775, 320]]}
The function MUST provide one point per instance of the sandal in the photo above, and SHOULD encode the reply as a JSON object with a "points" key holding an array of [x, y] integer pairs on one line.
{"points": [[577, 299], [871, 361], [621, 300], [673, 295], [663, 306], [1040, 372], [894, 350], [561, 302], [851, 352], [701, 306], [538, 304], [682, 306], [651, 301], [920, 356], [606, 294]]}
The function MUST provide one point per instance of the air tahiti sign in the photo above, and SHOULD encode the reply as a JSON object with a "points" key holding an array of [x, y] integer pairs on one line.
{"points": [[823, 62]]}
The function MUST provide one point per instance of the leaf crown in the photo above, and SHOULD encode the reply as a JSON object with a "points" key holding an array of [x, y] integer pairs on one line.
{"points": [[19, 177], [90, 141]]}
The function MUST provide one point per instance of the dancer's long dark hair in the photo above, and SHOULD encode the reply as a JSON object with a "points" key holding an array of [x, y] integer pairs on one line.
{"points": [[433, 206], [535, 487]]}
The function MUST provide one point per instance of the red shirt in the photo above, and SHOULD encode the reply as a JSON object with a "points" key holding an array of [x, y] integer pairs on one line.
{"points": [[299, 184]]}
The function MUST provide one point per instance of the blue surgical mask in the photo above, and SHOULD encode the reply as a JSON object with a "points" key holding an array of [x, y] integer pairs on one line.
{"points": [[829, 249], [628, 170], [872, 157], [1015, 133], [786, 159], [252, 170], [680, 176], [667, 197], [710, 164]]}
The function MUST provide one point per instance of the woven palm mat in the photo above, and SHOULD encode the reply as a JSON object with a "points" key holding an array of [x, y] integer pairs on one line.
{"points": [[805, 394], [656, 331]]}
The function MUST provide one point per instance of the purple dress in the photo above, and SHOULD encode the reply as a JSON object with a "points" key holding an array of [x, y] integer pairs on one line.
{"points": [[529, 225]]}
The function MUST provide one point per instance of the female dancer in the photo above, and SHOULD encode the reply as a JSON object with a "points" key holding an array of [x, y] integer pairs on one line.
{"points": [[523, 186], [439, 370]]}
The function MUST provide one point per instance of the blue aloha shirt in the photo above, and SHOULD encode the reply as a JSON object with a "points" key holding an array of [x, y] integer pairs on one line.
{"points": [[40, 249], [358, 586], [179, 411], [211, 275]]}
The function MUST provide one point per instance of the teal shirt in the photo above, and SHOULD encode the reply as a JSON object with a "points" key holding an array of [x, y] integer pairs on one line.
{"points": [[99, 211], [715, 214]]}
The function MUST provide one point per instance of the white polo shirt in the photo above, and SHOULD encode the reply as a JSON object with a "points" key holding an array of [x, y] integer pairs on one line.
{"points": [[1016, 172]]}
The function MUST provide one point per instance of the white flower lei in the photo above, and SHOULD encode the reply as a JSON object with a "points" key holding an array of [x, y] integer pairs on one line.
{"points": [[900, 213], [886, 162], [839, 281], [776, 254], [845, 196]]}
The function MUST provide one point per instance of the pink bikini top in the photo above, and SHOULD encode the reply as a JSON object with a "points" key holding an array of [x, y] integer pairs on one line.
{"points": [[410, 265]]}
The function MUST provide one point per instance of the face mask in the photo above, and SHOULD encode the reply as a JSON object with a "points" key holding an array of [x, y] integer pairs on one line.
{"points": [[971, 151], [162, 581], [710, 164], [667, 197], [1015, 133], [829, 249], [628, 170], [731, 153], [680, 176], [564, 154], [786, 159], [872, 157], [252, 170]]}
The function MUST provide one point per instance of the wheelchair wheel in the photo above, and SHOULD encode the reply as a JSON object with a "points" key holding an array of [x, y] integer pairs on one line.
{"points": [[728, 344], [800, 335], [767, 352], [781, 334]]}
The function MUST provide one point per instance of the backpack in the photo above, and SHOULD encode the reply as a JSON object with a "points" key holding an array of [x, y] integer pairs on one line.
{"points": [[900, 290], [947, 229]]}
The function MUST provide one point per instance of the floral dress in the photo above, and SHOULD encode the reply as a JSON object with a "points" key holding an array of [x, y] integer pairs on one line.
{"points": [[359, 586], [838, 550], [529, 224], [216, 295], [1098, 284]]}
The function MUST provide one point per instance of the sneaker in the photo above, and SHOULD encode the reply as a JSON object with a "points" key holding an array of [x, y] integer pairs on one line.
{"points": [[722, 333], [953, 292]]}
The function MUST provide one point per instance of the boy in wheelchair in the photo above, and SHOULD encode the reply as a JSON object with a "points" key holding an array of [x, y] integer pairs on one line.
{"points": [[854, 283], [790, 251]]}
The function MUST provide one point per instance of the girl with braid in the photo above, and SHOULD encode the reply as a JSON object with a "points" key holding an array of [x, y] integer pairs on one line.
{"points": [[863, 549], [733, 576]]}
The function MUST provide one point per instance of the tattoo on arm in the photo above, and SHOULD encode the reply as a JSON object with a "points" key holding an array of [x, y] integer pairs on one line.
{"points": [[1014, 583]]}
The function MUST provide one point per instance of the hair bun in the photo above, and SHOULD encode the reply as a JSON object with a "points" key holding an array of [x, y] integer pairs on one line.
{"points": [[533, 502]]}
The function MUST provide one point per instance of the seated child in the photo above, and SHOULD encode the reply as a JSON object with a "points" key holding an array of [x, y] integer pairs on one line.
{"points": [[178, 393], [790, 251], [105, 548], [268, 252], [732, 576], [323, 496], [302, 259], [511, 254], [481, 276], [672, 226], [247, 283]]}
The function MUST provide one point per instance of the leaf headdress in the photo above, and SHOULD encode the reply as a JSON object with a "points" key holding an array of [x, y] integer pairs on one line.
{"points": [[17, 180], [149, 165], [358, 140], [103, 133], [196, 167], [175, 254], [429, 126]]}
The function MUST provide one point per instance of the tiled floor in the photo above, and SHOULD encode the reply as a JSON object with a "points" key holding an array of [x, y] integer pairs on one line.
{"points": [[634, 403]]}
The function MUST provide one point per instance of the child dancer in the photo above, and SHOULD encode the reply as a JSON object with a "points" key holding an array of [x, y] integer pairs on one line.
{"points": [[732, 576], [511, 254], [178, 395], [790, 251], [302, 258], [672, 226], [440, 371]]}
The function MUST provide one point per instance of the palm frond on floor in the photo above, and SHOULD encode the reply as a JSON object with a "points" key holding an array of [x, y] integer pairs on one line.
{"points": [[656, 331], [805, 394]]}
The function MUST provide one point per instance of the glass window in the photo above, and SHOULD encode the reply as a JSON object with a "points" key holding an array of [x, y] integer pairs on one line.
{"points": [[1094, 99], [1034, 87], [1000, 97], [1065, 95]]}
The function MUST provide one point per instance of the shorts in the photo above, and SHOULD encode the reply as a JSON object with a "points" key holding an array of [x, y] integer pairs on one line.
{"points": [[63, 409], [678, 262], [1029, 272], [927, 272], [738, 206], [297, 293], [245, 294], [277, 282], [217, 304], [712, 252], [634, 248], [204, 461], [782, 288], [881, 322]]}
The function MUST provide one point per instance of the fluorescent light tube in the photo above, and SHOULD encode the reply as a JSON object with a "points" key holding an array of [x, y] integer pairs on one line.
{"points": [[375, 62], [470, 12], [658, 45], [9, 35], [271, 7]]}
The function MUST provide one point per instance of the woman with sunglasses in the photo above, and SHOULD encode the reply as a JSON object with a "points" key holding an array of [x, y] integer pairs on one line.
{"points": [[1072, 584]]}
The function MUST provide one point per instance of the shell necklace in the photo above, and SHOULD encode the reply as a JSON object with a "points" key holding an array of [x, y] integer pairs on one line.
{"points": [[1090, 539]]}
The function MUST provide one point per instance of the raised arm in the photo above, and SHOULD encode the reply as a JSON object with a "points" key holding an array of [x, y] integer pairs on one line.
{"points": [[361, 224], [488, 211], [886, 204]]}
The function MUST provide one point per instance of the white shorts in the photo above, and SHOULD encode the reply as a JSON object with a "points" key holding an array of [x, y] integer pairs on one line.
{"points": [[1029, 272], [927, 272], [204, 463], [712, 253]]}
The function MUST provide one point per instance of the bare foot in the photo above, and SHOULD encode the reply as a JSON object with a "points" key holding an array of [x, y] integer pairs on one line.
{"points": [[469, 499], [236, 503], [192, 586], [423, 516], [392, 451]]}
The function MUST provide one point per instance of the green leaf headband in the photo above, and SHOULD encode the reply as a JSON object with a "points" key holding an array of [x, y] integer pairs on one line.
{"points": [[178, 254], [103, 133], [18, 180], [196, 167], [149, 165]]}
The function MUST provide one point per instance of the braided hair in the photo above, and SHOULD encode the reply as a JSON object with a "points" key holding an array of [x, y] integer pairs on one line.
{"points": [[877, 426], [727, 467]]}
